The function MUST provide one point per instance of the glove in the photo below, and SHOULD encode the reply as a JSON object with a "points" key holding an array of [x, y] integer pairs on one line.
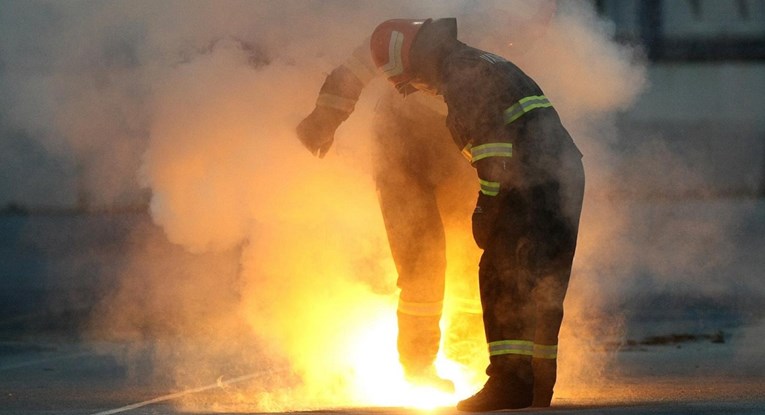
{"points": [[485, 219], [317, 130]]}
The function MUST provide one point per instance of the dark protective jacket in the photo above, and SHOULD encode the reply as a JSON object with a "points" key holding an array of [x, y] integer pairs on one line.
{"points": [[527, 215], [502, 122], [498, 116]]}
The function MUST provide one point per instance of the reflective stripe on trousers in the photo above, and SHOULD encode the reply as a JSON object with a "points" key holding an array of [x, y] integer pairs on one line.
{"points": [[523, 348], [467, 305], [420, 309]]}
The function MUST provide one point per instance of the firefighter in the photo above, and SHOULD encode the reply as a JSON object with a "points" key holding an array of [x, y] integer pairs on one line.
{"points": [[415, 173], [527, 213]]}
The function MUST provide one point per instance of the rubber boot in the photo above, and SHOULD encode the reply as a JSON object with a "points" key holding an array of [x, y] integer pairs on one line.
{"points": [[428, 377], [510, 386], [544, 381], [418, 341]]}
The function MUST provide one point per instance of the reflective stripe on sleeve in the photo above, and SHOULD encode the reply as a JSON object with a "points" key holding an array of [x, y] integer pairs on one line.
{"points": [[491, 150], [359, 69], [489, 188], [336, 102], [519, 347], [525, 105], [411, 308], [466, 152], [542, 351]]}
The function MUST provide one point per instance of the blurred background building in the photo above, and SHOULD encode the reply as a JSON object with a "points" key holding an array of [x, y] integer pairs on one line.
{"points": [[706, 91]]}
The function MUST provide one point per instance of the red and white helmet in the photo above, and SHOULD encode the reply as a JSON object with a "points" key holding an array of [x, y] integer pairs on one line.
{"points": [[391, 45]]}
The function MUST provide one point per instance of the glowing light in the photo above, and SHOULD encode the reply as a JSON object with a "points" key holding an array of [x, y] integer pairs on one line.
{"points": [[380, 379]]}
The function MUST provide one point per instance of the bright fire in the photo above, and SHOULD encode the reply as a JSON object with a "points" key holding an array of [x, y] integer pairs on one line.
{"points": [[380, 379], [320, 316]]}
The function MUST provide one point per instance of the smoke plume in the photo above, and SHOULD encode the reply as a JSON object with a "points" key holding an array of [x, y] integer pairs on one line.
{"points": [[280, 257]]}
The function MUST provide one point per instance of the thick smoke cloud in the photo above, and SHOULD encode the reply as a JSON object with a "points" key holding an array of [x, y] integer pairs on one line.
{"points": [[194, 103]]}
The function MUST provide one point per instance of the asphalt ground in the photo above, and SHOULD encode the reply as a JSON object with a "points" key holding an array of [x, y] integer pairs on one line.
{"points": [[680, 376], [684, 352]]}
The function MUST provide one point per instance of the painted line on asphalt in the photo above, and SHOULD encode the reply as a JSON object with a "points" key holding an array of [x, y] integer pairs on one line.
{"points": [[219, 384]]}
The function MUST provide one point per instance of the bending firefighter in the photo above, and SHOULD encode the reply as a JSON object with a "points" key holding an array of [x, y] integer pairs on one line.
{"points": [[531, 188], [421, 186]]}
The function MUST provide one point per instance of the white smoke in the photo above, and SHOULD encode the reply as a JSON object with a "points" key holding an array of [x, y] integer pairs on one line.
{"points": [[196, 103]]}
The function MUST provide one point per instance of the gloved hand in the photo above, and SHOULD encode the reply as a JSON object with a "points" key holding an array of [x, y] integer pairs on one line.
{"points": [[317, 130], [485, 219]]}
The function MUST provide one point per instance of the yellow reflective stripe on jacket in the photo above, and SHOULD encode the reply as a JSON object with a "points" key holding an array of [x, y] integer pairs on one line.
{"points": [[466, 152], [489, 188], [542, 351], [420, 309], [335, 101], [525, 105], [491, 150], [520, 347]]}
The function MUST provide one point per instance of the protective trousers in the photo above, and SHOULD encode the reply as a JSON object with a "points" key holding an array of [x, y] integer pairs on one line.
{"points": [[524, 273], [413, 158], [416, 239]]}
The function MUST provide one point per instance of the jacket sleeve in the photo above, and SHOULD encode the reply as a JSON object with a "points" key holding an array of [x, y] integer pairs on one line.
{"points": [[343, 86], [497, 176], [497, 168]]}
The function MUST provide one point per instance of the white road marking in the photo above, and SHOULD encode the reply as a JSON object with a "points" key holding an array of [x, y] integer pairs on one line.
{"points": [[218, 384]]}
